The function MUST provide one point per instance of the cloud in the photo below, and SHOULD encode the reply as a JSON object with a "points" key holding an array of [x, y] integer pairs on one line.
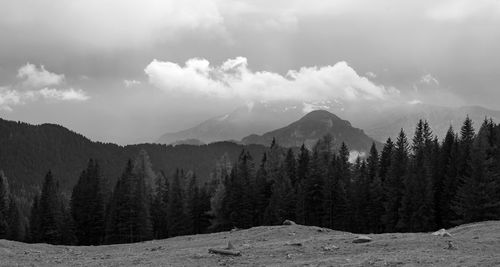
{"points": [[371, 75], [63, 95], [130, 83], [429, 79], [110, 23], [234, 80], [38, 77], [415, 102], [459, 10], [37, 83]]}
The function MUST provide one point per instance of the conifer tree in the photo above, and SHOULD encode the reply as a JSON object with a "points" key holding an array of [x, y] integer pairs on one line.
{"points": [[314, 190], [159, 208], [446, 184], [385, 159], [239, 199], [416, 211], [128, 217], [477, 197], [16, 226], [87, 206], [375, 193], [343, 190], [393, 184], [4, 206], [302, 178], [177, 217], [51, 215], [34, 233], [262, 192]]}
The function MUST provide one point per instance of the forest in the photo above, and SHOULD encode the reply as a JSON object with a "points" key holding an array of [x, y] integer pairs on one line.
{"points": [[416, 185]]}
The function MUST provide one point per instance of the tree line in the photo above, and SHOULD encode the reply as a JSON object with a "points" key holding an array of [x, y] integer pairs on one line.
{"points": [[413, 185]]}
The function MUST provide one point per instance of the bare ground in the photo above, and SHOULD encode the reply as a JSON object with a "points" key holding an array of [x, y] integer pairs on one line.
{"points": [[296, 245]]}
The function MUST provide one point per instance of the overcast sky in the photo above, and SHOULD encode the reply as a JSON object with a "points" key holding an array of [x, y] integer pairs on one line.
{"points": [[127, 71]]}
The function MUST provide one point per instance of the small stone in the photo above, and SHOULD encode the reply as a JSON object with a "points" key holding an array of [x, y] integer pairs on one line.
{"points": [[330, 248], [362, 239], [230, 245], [295, 244], [442, 232], [289, 222], [451, 246]]}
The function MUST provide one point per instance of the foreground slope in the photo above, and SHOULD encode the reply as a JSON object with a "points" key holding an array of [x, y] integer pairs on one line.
{"points": [[472, 245]]}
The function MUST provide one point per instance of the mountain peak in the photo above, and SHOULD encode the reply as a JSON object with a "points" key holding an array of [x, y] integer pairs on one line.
{"points": [[320, 114], [313, 126]]}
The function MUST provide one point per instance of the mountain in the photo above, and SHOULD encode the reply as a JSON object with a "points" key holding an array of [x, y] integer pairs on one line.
{"points": [[194, 142], [256, 118], [389, 122], [313, 126], [28, 151], [378, 122]]}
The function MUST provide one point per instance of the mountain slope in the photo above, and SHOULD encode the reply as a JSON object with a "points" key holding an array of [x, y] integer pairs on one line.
{"points": [[297, 245], [313, 126], [379, 122], [27, 152], [390, 121], [256, 118]]}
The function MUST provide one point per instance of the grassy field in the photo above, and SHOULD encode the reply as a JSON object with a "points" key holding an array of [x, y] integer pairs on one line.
{"points": [[296, 245]]}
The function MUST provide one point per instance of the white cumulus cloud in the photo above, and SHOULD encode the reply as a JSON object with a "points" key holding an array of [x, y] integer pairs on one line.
{"points": [[130, 83], [234, 79], [429, 79], [459, 10], [63, 94], [34, 76], [37, 83]]}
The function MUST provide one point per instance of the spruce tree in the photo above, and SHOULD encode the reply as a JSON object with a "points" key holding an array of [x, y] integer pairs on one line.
{"points": [[446, 184], [4, 206], [177, 217], [477, 197], [385, 159], [34, 231], [16, 226], [239, 200], [416, 213], [87, 206], [159, 208], [303, 170], [314, 190], [375, 193], [393, 184], [128, 217], [51, 215], [262, 192]]}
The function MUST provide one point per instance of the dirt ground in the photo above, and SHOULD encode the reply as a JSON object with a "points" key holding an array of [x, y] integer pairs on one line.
{"points": [[296, 245]]}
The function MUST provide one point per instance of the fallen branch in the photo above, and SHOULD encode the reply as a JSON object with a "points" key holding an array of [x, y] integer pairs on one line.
{"points": [[224, 252]]}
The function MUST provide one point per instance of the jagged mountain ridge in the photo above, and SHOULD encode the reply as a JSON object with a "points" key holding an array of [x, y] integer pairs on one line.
{"points": [[377, 122], [255, 118]]}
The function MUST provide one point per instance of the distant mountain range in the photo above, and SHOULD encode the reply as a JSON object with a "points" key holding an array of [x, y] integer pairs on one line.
{"points": [[312, 127], [377, 122], [257, 118], [388, 124]]}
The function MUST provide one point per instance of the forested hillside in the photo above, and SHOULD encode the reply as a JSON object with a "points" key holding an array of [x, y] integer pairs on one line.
{"points": [[27, 152], [414, 185]]}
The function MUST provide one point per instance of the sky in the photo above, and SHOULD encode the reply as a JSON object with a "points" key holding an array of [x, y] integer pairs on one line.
{"points": [[128, 71]]}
